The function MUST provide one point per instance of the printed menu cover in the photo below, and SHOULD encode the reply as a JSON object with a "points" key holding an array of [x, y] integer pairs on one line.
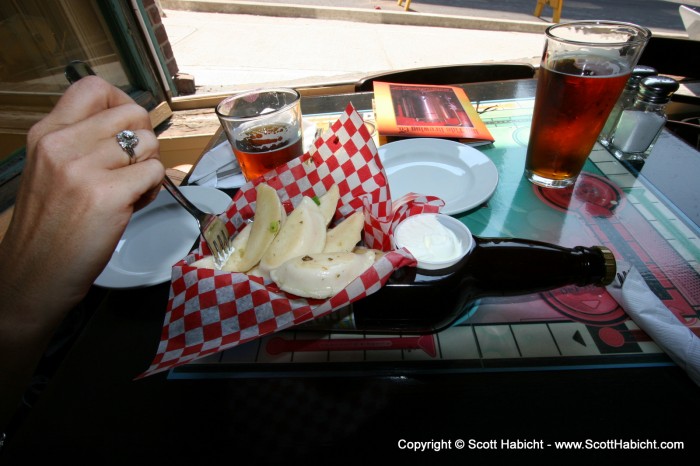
{"points": [[416, 110]]}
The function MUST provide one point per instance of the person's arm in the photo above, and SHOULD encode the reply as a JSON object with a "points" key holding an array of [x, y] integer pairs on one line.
{"points": [[77, 194]]}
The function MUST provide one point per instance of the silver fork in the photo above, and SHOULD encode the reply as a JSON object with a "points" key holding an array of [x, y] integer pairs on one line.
{"points": [[615, 288], [619, 279], [212, 227]]}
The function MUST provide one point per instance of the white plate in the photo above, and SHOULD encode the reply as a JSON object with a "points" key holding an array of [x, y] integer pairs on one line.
{"points": [[157, 237], [458, 174]]}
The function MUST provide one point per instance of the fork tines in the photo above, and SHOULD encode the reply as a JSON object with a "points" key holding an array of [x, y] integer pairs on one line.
{"points": [[213, 229], [620, 278], [218, 240]]}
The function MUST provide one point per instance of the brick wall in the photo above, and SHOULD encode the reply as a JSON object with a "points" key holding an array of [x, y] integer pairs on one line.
{"points": [[154, 12]]}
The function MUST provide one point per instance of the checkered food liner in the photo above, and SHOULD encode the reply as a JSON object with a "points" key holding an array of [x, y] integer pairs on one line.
{"points": [[212, 310]]}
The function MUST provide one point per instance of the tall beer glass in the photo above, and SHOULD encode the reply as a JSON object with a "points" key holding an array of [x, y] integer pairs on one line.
{"points": [[584, 68]]}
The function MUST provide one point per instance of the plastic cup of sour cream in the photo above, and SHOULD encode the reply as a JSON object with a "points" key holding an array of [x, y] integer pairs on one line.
{"points": [[437, 241]]}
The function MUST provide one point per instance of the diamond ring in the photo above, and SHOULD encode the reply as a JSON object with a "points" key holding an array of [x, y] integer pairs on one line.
{"points": [[127, 140]]}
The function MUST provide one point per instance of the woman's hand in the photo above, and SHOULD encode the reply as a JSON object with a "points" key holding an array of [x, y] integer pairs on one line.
{"points": [[78, 191]]}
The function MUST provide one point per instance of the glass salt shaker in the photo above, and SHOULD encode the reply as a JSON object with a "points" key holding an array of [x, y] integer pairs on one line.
{"points": [[639, 126], [625, 101]]}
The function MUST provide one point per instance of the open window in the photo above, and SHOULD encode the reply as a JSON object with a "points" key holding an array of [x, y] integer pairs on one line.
{"points": [[40, 38]]}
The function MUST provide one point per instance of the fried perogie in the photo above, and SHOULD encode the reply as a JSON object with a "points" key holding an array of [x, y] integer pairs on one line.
{"points": [[345, 236], [266, 225], [304, 232], [297, 252], [321, 275]]}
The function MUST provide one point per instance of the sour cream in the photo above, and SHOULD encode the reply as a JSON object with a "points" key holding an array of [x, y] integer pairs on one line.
{"points": [[429, 240]]}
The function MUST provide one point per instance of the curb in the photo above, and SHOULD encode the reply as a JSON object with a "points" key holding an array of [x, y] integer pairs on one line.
{"points": [[355, 14]]}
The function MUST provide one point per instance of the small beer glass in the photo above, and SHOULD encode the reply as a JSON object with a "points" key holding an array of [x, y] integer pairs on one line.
{"points": [[263, 127]]}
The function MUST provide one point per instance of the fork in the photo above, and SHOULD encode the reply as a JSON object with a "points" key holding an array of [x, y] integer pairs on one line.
{"points": [[620, 278], [212, 227]]}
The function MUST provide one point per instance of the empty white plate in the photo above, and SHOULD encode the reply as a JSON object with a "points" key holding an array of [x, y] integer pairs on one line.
{"points": [[157, 237], [458, 174]]}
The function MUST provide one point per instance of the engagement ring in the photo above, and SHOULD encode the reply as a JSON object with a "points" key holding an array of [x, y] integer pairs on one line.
{"points": [[128, 140]]}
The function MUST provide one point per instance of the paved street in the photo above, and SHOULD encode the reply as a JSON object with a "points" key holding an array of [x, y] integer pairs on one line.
{"points": [[235, 45]]}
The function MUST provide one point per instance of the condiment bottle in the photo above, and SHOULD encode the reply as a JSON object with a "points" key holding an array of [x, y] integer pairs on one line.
{"points": [[626, 100], [426, 301], [639, 126]]}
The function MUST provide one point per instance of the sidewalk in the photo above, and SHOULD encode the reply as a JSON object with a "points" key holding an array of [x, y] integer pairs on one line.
{"points": [[230, 45]]}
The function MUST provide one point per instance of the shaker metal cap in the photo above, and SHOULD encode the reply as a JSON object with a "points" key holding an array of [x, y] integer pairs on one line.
{"points": [[638, 73], [657, 89]]}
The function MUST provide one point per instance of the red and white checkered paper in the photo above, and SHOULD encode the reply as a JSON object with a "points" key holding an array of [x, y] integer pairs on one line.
{"points": [[212, 310]]}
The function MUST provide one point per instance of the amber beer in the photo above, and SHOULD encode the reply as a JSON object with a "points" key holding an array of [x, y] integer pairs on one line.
{"points": [[585, 66], [262, 148], [572, 103], [263, 127]]}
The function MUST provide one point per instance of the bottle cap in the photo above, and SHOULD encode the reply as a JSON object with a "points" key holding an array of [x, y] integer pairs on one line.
{"points": [[610, 265], [657, 89]]}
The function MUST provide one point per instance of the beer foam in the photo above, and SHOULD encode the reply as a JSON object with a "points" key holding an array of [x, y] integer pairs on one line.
{"points": [[586, 64]]}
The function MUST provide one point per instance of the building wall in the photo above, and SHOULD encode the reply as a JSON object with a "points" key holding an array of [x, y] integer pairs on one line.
{"points": [[155, 13]]}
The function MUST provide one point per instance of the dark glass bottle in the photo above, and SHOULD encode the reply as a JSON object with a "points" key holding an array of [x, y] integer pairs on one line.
{"points": [[418, 301]]}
